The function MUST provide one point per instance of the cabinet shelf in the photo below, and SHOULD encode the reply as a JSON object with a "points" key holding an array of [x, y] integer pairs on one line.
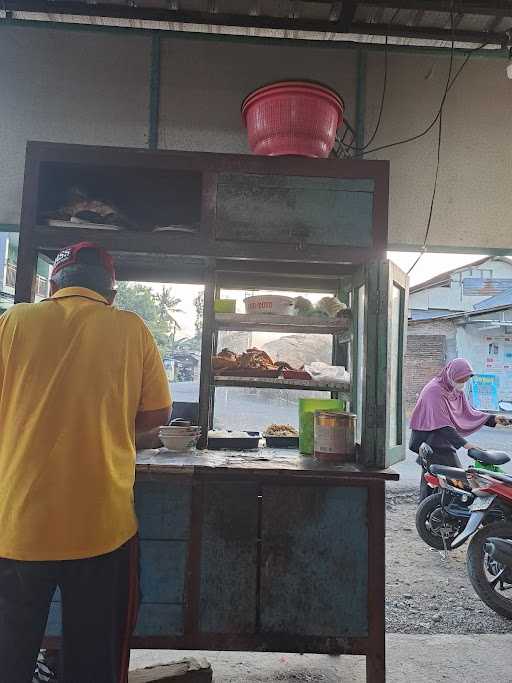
{"points": [[341, 388], [239, 322]]}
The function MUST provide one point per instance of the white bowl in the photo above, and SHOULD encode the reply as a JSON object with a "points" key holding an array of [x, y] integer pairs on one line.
{"points": [[179, 443], [270, 304]]}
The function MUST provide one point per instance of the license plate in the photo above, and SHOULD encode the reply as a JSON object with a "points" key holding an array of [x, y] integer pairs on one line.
{"points": [[481, 503]]}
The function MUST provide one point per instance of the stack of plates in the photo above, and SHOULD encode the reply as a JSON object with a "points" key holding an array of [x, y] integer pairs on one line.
{"points": [[179, 438]]}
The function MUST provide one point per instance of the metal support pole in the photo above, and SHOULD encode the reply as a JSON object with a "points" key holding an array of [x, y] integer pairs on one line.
{"points": [[360, 96], [154, 91]]}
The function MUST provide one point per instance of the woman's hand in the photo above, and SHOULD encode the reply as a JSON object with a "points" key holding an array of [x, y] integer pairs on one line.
{"points": [[502, 421]]}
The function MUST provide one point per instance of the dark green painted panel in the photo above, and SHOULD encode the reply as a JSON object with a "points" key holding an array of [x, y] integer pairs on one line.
{"points": [[162, 571], [322, 211], [314, 565], [163, 509], [229, 558]]}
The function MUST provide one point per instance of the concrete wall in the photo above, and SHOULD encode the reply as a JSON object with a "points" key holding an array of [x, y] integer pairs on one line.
{"points": [[93, 88], [473, 202], [67, 86]]}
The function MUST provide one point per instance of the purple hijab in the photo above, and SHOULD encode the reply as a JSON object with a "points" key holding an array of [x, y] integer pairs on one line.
{"points": [[441, 405]]}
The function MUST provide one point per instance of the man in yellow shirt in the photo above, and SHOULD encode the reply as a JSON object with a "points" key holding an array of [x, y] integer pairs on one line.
{"points": [[78, 378]]}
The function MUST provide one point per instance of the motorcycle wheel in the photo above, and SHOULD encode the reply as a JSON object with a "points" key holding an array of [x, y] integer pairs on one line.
{"points": [[491, 580], [432, 523]]}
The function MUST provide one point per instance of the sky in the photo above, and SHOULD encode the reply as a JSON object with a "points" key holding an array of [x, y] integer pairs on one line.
{"points": [[428, 266]]}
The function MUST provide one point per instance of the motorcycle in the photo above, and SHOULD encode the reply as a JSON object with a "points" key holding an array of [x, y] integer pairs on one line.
{"points": [[489, 556], [442, 518]]}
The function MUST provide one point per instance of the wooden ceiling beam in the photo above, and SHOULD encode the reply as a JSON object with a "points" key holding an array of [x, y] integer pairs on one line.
{"points": [[100, 9]]}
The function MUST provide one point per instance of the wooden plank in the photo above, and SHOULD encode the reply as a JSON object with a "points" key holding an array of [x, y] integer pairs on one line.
{"points": [[262, 462], [162, 571], [206, 378], [185, 670], [228, 559], [157, 620], [314, 565], [376, 660], [163, 510], [342, 389], [283, 323]]}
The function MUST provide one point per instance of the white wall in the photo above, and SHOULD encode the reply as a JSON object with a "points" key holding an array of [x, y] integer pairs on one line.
{"points": [[205, 82], [473, 344], [67, 86], [474, 200]]}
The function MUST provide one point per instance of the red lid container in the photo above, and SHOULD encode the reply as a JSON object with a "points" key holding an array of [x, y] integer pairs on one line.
{"points": [[292, 118]]}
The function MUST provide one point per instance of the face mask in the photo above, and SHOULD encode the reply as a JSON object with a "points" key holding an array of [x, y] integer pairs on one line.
{"points": [[459, 386]]}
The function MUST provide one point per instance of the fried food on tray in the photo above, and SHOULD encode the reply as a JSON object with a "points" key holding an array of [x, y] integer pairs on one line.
{"points": [[252, 359], [281, 430]]}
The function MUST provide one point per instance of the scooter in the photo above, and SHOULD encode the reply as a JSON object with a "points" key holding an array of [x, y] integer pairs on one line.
{"points": [[489, 556], [442, 518]]}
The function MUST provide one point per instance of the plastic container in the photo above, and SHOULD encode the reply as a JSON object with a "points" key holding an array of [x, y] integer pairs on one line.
{"points": [[271, 304], [292, 118], [307, 409], [335, 436], [225, 305]]}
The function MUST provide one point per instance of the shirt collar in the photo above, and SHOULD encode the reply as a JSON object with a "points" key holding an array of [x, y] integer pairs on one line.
{"points": [[80, 292]]}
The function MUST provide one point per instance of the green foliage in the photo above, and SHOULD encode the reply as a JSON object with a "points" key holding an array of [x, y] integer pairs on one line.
{"points": [[155, 308], [194, 343]]}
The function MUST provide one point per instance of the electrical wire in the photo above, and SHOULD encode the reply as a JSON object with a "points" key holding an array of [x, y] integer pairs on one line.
{"points": [[383, 95], [436, 118]]}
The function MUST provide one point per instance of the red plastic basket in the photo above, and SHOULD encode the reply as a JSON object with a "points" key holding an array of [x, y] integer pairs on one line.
{"points": [[292, 118]]}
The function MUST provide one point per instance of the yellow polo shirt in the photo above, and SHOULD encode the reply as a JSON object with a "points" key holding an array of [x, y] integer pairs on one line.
{"points": [[74, 372]]}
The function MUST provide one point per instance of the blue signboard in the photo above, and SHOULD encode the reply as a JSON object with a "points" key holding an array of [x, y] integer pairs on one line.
{"points": [[484, 392]]}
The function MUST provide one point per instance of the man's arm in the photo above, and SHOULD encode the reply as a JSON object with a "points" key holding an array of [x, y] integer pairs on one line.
{"points": [[147, 425], [155, 400]]}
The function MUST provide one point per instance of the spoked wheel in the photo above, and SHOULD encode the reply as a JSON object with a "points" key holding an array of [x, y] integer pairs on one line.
{"points": [[434, 525], [491, 580]]}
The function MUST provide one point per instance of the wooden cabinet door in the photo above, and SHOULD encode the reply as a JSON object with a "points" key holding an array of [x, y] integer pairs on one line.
{"points": [[295, 210], [314, 561]]}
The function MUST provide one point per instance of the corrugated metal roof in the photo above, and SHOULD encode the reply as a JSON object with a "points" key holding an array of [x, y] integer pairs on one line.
{"points": [[405, 22], [502, 299]]}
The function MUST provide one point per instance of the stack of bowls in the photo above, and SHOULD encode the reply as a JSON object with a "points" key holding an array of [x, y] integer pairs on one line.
{"points": [[179, 438]]}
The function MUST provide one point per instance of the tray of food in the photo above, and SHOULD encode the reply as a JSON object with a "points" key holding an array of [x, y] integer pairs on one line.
{"points": [[281, 436], [219, 440], [251, 363]]}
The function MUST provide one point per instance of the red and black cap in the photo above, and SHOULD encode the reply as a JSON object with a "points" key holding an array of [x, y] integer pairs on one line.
{"points": [[85, 253]]}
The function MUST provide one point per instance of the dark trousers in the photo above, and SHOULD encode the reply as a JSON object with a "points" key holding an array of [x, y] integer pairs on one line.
{"points": [[99, 608]]}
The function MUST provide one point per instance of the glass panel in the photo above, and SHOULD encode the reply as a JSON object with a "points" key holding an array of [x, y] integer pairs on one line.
{"points": [[361, 359], [395, 389], [326, 211]]}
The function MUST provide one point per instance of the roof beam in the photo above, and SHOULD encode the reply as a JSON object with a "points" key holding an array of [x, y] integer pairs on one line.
{"points": [[502, 8], [72, 7]]}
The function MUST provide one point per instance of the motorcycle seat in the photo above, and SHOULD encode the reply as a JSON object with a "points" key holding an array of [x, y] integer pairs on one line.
{"points": [[454, 473], [489, 457]]}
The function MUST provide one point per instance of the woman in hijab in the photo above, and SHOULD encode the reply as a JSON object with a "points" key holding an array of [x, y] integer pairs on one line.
{"points": [[443, 418]]}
